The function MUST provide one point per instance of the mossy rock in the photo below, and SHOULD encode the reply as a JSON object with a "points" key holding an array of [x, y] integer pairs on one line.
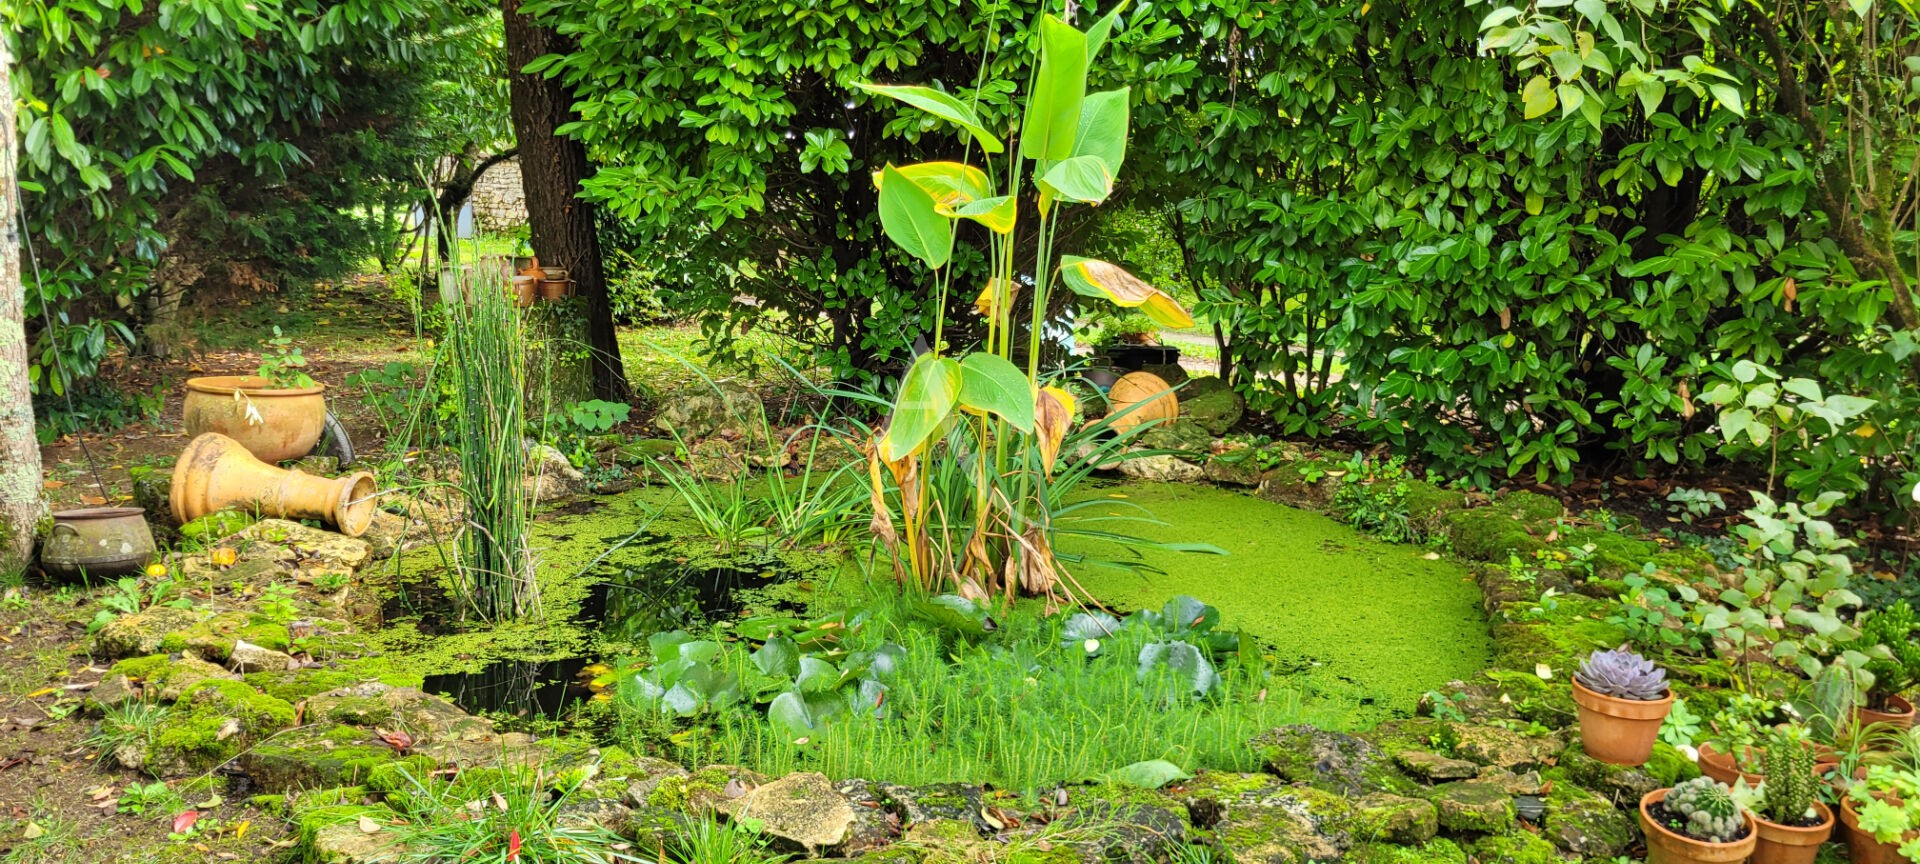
{"points": [[1395, 819], [1329, 760], [1473, 807], [1518, 847], [332, 835], [1620, 784], [1438, 851], [702, 791], [1428, 505], [167, 677], [142, 633], [211, 638], [1212, 406], [1291, 825], [314, 756], [213, 721], [1587, 825], [916, 804], [1179, 435], [1489, 534]]}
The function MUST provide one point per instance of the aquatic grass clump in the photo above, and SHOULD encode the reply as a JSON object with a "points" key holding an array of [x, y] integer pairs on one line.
{"points": [[486, 354], [1020, 707], [512, 814]]}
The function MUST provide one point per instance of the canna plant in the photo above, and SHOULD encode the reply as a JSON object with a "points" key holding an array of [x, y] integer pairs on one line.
{"points": [[981, 409]]}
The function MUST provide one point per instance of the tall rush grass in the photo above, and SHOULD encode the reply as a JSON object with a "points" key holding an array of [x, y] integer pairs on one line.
{"points": [[487, 356]]}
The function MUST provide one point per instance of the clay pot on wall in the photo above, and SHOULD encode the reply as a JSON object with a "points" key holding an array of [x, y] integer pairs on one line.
{"points": [[525, 288], [1900, 716], [556, 289], [290, 418], [1155, 399], [216, 473], [97, 542], [1619, 731], [1666, 846], [1791, 844], [1723, 767]]}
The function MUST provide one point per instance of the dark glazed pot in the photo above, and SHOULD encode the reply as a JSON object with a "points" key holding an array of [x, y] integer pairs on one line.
{"points": [[98, 542]]}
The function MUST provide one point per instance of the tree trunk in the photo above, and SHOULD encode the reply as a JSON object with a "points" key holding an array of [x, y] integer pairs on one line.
{"points": [[551, 170], [20, 504]]}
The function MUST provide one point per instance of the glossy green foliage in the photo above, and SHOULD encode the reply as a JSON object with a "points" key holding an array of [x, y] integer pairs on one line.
{"points": [[158, 138], [1510, 290]]}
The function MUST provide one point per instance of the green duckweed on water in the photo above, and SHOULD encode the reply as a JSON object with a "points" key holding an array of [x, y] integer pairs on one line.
{"points": [[1376, 622]]}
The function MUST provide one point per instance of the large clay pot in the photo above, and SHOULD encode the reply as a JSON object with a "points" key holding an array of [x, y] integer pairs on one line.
{"points": [[291, 418], [1862, 847], [97, 542], [216, 473], [1722, 766], [1901, 717], [1665, 846], [1789, 844], [1620, 731], [1136, 388]]}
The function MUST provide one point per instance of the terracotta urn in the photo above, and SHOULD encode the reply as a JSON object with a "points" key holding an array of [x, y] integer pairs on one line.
{"points": [[1666, 846], [97, 542], [288, 423], [1150, 392], [1792, 844], [216, 473], [555, 289], [1900, 717], [1619, 731]]}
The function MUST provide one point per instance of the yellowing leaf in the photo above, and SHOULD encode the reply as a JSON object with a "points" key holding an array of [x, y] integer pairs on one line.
{"points": [[1538, 96], [1092, 278], [1053, 416], [983, 302]]}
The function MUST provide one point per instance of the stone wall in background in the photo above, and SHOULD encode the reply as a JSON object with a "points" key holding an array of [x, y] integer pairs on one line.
{"points": [[499, 204]]}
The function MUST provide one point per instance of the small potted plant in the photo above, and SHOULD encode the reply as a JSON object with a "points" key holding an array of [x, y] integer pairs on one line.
{"points": [[1881, 816], [1696, 822], [1888, 638], [277, 413], [1623, 698], [1732, 751], [1789, 818]]}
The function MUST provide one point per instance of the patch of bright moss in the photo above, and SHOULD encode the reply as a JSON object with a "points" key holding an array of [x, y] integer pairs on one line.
{"points": [[1291, 580], [266, 634], [213, 721], [1439, 851]]}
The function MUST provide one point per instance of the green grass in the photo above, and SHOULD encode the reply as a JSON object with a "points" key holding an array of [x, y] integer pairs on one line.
{"points": [[1018, 710], [519, 818]]}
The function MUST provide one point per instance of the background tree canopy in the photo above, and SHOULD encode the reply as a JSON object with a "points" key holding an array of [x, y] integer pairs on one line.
{"points": [[167, 143]]}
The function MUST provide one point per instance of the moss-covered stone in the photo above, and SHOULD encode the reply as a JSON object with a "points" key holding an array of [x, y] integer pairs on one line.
{"points": [[1395, 819], [1587, 825], [213, 721], [1518, 847], [314, 756], [1473, 807], [332, 835], [141, 633], [1329, 761], [1438, 851], [1489, 534], [702, 791]]}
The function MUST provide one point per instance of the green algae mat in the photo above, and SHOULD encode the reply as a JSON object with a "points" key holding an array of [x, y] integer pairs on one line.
{"points": [[1355, 619]]}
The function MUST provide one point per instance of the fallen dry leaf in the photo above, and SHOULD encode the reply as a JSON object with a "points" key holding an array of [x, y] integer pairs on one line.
{"points": [[368, 826]]}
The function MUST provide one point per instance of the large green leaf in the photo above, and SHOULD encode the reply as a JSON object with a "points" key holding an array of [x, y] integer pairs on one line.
{"points": [[952, 184], [1103, 129], [927, 396], [1185, 664], [1101, 29], [997, 213], [940, 105], [1093, 278], [988, 382], [912, 220], [1082, 178], [1053, 109]]}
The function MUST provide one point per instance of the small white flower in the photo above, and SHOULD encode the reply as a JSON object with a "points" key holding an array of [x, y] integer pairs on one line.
{"points": [[1092, 646]]}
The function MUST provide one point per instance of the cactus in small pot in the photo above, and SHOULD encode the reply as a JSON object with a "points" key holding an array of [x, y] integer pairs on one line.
{"points": [[1623, 697], [1705, 811], [1791, 821]]}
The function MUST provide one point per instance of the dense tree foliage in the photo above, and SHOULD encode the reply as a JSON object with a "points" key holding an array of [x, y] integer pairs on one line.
{"points": [[164, 142]]}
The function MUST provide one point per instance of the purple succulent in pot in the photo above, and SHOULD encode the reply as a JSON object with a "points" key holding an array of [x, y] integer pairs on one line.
{"points": [[1622, 674]]}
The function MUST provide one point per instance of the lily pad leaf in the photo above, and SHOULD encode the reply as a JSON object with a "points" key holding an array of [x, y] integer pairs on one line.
{"points": [[1151, 774]]}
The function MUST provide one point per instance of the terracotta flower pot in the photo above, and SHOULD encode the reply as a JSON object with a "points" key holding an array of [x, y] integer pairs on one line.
{"points": [[1900, 717], [291, 418], [216, 473], [1862, 846], [1789, 844], [1666, 846], [1620, 731], [1722, 767], [1135, 388], [556, 289], [524, 290], [97, 542]]}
